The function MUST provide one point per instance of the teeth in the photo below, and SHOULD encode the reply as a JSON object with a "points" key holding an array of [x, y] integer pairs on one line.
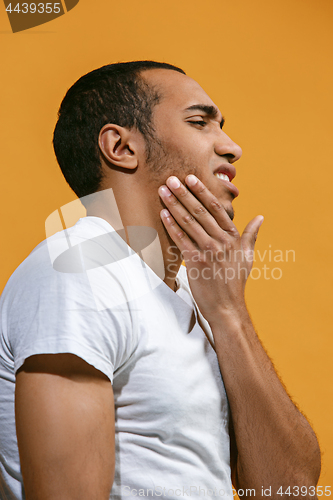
{"points": [[222, 176]]}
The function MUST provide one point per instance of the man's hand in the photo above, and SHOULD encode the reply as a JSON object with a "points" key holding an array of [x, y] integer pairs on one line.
{"points": [[272, 444], [218, 260], [65, 428]]}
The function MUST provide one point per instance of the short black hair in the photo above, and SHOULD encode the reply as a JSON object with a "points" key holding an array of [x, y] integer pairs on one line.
{"points": [[115, 93]]}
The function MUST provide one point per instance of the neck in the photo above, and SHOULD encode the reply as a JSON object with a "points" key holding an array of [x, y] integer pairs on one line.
{"points": [[144, 230]]}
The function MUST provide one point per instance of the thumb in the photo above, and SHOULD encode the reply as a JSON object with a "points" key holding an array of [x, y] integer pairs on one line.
{"points": [[250, 233]]}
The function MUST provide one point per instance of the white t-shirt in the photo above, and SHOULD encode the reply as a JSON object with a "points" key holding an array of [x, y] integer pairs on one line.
{"points": [[84, 291]]}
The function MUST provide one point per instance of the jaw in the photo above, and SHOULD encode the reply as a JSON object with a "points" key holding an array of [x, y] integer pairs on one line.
{"points": [[230, 211], [224, 196]]}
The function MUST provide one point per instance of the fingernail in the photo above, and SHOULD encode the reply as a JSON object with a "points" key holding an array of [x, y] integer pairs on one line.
{"points": [[173, 182], [164, 191], [191, 180], [165, 213]]}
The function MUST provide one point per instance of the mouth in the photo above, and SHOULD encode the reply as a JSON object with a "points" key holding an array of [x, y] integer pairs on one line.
{"points": [[225, 173]]}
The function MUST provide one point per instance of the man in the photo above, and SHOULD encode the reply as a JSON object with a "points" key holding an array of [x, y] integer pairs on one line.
{"points": [[195, 401]]}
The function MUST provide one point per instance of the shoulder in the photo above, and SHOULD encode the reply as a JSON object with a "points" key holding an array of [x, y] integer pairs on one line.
{"points": [[75, 273], [71, 295], [67, 260]]}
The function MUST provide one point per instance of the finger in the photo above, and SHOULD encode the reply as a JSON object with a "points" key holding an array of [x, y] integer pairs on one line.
{"points": [[180, 238], [204, 210], [212, 204], [250, 233], [184, 218]]}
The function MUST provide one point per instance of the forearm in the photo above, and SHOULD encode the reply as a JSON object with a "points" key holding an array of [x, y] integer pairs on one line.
{"points": [[276, 445]]}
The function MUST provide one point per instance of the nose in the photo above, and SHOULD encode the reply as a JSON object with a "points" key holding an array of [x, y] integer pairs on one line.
{"points": [[224, 146]]}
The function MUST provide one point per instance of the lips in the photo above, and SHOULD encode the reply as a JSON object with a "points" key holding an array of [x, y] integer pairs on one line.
{"points": [[226, 169], [229, 171]]}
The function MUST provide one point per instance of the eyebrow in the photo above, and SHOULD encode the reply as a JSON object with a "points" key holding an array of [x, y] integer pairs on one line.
{"points": [[209, 110]]}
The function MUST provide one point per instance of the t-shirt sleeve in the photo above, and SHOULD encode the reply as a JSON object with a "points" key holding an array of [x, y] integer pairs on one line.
{"points": [[45, 311]]}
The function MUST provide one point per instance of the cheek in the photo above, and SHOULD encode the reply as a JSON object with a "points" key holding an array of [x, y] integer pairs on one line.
{"points": [[191, 157], [181, 157], [181, 160]]}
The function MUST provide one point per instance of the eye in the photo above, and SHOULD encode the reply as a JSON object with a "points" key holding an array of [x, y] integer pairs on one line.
{"points": [[202, 123]]}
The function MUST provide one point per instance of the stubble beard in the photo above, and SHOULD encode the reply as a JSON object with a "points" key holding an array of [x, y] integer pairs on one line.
{"points": [[162, 163]]}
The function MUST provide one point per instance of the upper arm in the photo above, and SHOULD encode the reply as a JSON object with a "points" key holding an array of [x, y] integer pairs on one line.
{"points": [[64, 413]]}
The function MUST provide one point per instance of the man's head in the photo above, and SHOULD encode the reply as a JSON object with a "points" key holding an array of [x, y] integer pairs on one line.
{"points": [[115, 94], [147, 119]]}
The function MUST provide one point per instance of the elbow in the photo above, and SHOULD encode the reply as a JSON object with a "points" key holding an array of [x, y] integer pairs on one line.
{"points": [[307, 474], [315, 465]]}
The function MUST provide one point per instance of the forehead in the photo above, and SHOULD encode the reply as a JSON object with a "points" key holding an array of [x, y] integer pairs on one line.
{"points": [[179, 91]]}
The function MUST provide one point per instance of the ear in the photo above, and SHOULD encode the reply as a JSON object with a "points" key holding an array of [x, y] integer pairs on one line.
{"points": [[120, 146]]}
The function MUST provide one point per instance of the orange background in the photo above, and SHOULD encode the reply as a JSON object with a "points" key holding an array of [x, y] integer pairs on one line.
{"points": [[268, 66]]}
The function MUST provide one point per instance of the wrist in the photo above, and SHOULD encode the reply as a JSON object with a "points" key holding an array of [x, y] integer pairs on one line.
{"points": [[230, 317]]}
